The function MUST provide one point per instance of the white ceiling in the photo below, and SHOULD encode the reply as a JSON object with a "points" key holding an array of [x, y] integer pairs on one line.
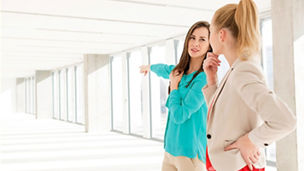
{"points": [[47, 34]]}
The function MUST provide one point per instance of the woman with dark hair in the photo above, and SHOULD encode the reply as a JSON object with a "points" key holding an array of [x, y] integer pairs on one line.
{"points": [[185, 136]]}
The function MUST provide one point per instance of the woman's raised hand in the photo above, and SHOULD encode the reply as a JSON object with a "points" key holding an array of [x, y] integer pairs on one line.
{"points": [[145, 69], [210, 66], [175, 78]]}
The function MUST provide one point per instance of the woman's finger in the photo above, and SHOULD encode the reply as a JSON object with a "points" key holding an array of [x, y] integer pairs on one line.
{"points": [[258, 153], [212, 64], [231, 147], [176, 73], [211, 55], [253, 159], [214, 59], [256, 156], [248, 162], [179, 77]]}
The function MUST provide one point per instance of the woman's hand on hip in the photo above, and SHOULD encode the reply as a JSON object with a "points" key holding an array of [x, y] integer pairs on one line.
{"points": [[249, 151], [144, 69], [210, 66], [175, 78]]}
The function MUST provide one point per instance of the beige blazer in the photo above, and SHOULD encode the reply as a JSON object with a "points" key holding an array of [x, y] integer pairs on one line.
{"points": [[242, 104]]}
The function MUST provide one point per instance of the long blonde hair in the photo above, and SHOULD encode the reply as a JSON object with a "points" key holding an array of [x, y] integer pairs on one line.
{"points": [[242, 20]]}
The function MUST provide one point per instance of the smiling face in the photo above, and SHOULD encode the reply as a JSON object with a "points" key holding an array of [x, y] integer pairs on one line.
{"points": [[198, 43]]}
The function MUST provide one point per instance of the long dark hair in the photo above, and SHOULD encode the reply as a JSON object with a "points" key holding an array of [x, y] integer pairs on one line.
{"points": [[184, 62]]}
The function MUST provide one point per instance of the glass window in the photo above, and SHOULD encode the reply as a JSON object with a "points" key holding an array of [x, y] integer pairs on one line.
{"points": [[71, 94], [53, 98], [29, 97], [180, 48], [267, 62], [33, 94], [267, 51], [63, 101], [56, 95], [135, 88], [117, 94], [79, 95], [223, 68], [159, 94], [26, 96]]}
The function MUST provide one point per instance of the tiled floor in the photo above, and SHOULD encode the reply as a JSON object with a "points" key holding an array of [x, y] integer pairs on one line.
{"points": [[50, 145], [27, 144]]}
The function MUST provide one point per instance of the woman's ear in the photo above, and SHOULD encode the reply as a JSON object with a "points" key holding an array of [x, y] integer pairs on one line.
{"points": [[222, 35]]}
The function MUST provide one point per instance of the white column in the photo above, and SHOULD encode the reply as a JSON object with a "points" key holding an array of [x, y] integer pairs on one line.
{"points": [[1, 66], [298, 13], [8, 96], [124, 86], [97, 93], [43, 94], [170, 52], [20, 95], [146, 96], [299, 78], [288, 32], [71, 94]]}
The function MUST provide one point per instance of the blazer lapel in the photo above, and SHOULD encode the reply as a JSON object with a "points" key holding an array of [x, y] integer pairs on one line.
{"points": [[220, 88]]}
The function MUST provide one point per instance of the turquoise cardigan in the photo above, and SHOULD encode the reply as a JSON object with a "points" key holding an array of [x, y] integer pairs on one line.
{"points": [[187, 118]]}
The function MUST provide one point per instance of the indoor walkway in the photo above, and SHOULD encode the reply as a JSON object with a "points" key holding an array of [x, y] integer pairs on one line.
{"points": [[28, 144], [51, 145]]}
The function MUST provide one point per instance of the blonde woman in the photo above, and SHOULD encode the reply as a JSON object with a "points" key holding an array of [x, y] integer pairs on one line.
{"points": [[244, 115]]}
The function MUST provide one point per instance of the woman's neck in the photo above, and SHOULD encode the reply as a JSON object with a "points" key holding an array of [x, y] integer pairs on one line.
{"points": [[231, 56], [195, 64]]}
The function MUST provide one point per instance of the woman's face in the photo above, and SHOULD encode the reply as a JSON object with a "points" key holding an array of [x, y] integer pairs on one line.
{"points": [[215, 39], [198, 43]]}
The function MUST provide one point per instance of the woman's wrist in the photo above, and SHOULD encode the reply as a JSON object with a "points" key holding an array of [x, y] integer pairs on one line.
{"points": [[211, 81], [173, 87]]}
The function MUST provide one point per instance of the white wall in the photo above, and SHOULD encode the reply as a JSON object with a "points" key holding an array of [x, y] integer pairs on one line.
{"points": [[43, 94], [8, 96], [20, 95]]}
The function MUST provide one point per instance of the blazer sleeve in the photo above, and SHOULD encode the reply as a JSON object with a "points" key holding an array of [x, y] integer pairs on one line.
{"points": [[180, 108], [162, 70], [278, 119], [208, 92]]}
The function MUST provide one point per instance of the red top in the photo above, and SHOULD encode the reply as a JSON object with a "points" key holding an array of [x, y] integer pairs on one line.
{"points": [[210, 167]]}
